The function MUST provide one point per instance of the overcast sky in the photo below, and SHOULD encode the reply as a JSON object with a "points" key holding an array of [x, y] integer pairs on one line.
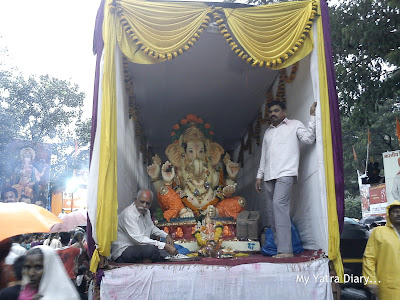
{"points": [[51, 37]]}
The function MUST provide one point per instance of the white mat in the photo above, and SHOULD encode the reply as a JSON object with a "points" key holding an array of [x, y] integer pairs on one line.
{"points": [[309, 280]]}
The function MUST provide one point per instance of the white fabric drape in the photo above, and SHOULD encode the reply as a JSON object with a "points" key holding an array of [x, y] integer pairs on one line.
{"points": [[323, 210], [247, 281], [93, 180]]}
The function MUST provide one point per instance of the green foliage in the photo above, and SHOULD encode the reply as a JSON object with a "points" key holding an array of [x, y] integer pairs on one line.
{"points": [[383, 138], [353, 207], [365, 44]]}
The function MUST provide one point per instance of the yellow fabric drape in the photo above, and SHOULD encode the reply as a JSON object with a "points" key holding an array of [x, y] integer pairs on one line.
{"points": [[160, 29], [107, 203], [151, 32], [269, 32], [333, 225]]}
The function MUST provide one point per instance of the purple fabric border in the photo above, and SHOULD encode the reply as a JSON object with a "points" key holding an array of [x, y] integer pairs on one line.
{"points": [[98, 45], [335, 116]]}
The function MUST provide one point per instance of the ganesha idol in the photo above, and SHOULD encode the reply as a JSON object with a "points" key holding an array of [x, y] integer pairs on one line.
{"points": [[192, 181]]}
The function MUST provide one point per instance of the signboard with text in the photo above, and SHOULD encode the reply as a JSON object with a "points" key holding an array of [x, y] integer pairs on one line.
{"points": [[391, 163]]}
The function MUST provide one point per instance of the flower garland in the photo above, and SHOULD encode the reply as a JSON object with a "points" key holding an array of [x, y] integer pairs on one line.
{"points": [[293, 73], [133, 113], [269, 97], [152, 53], [275, 62], [179, 128]]}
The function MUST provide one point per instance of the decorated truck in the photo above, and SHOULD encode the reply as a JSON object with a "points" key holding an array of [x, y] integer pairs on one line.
{"points": [[173, 73]]}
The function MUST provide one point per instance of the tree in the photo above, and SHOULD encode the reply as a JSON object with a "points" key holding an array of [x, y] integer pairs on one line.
{"points": [[352, 207], [43, 109], [383, 138], [365, 44]]}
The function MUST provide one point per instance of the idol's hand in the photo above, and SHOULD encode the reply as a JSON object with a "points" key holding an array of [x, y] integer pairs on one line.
{"points": [[211, 211], [186, 213], [154, 169], [229, 190], [168, 172], [231, 168]]}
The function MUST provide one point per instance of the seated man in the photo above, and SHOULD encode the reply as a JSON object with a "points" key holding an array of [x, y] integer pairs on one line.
{"points": [[135, 227]]}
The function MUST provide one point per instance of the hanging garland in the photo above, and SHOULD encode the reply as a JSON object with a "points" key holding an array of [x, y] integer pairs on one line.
{"points": [[293, 73], [267, 64], [129, 90], [152, 53], [133, 114], [280, 96]]}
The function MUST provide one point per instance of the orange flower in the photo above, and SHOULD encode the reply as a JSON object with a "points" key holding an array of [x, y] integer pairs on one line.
{"points": [[207, 126], [179, 232], [211, 132], [226, 231], [184, 121], [191, 117], [200, 121], [172, 133], [176, 126]]}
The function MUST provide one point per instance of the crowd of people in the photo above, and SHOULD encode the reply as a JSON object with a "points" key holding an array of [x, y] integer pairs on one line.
{"points": [[39, 266], [10, 195]]}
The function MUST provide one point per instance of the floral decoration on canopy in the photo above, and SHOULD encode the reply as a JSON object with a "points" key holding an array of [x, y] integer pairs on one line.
{"points": [[191, 119]]}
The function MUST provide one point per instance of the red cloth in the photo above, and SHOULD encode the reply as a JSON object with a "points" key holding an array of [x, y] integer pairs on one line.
{"points": [[6, 275], [68, 256], [305, 256]]}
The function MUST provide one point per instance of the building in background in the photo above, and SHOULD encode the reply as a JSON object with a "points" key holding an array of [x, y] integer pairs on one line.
{"points": [[73, 196]]}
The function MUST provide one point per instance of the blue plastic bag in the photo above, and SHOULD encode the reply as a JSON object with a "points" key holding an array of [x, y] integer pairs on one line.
{"points": [[181, 249], [269, 249]]}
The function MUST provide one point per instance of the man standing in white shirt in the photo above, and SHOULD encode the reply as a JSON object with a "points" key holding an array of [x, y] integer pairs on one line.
{"points": [[279, 165], [135, 227]]}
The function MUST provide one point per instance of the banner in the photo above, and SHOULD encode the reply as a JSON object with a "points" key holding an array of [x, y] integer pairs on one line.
{"points": [[377, 199], [26, 172], [365, 205], [373, 199], [391, 163]]}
